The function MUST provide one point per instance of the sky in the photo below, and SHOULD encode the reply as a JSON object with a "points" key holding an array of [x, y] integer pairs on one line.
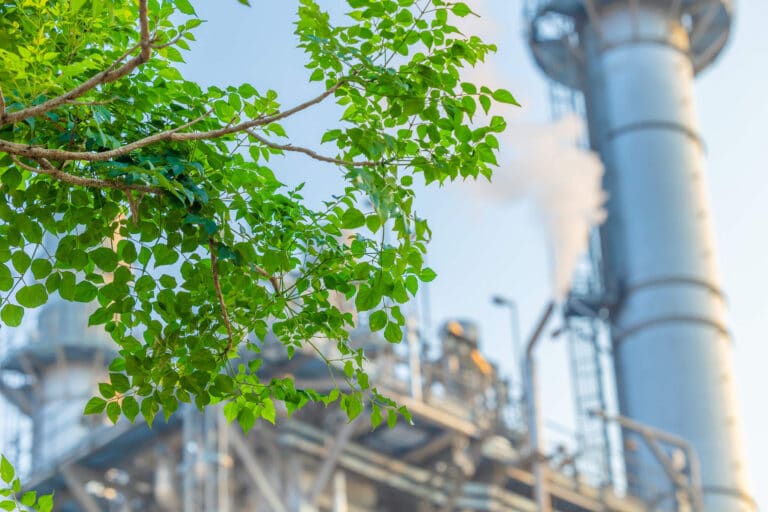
{"points": [[484, 246]]}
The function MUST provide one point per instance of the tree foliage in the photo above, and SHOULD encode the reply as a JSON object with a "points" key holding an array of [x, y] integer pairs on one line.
{"points": [[125, 184], [10, 488]]}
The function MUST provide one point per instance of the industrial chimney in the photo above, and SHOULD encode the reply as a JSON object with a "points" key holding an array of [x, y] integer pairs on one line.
{"points": [[635, 60]]}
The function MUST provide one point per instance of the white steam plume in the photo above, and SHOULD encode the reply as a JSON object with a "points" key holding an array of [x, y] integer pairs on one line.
{"points": [[544, 163]]}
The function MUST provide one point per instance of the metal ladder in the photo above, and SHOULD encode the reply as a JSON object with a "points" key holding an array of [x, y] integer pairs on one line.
{"points": [[588, 343]]}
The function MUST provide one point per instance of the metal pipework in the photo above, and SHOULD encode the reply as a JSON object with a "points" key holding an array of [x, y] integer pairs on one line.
{"points": [[690, 483], [514, 317], [635, 61], [533, 410]]}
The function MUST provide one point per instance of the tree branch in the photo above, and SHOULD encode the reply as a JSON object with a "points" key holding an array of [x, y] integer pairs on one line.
{"points": [[310, 153], [173, 134], [36, 152], [111, 74], [272, 279], [48, 169], [219, 295]]}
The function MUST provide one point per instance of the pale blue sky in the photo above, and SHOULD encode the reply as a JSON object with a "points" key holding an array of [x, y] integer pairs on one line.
{"points": [[480, 249]]}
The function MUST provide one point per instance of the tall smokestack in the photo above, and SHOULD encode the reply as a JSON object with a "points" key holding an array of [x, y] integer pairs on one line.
{"points": [[635, 61]]}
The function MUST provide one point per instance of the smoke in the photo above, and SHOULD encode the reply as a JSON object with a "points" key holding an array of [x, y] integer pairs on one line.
{"points": [[543, 163]]}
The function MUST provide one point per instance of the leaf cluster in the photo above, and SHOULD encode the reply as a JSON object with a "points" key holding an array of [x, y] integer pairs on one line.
{"points": [[11, 496], [125, 185]]}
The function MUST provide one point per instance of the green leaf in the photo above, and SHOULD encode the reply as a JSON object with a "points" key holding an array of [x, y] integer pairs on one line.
{"points": [[504, 96], [149, 409], [461, 9], [246, 419], [113, 411], [126, 250], [95, 405], [376, 417], [28, 498], [85, 292], [106, 390], [120, 382], [6, 470], [485, 101], [32, 296], [352, 405], [8, 505], [230, 411], [427, 275], [391, 418], [349, 369], [164, 255], [268, 411], [317, 75], [21, 261], [6, 278], [104, 258], [45, 503], [130, 407], [352, 218], [412, 284], [41, 268], [406, 414], [12, 315], [67, 286], [393, 333], [377, 320]]}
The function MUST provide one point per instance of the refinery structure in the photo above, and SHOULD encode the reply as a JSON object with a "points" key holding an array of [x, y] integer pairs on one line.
{"points": [[650, 354]]}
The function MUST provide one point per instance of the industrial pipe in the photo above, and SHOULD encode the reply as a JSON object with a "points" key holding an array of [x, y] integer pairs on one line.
{"points": [[532, 399]]}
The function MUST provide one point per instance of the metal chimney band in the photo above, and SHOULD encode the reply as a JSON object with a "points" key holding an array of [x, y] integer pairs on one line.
{"points": [[608, 46], [614, 133], [674, 280], [620, 334]]}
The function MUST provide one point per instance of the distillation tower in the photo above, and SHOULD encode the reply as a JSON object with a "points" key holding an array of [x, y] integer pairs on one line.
{"points": [[635, 61]]}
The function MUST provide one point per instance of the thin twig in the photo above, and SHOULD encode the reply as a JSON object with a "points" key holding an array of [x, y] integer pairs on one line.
{"points": [[272, 279], [48, 169], [169, 43], [219, 295], [310, 153]]}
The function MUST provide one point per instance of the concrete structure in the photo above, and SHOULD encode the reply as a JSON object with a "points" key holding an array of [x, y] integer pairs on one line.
{"points": [[635, 61]]}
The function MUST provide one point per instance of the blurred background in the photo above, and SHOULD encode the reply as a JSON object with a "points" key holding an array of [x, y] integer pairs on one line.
{"points": [[523, 239]]}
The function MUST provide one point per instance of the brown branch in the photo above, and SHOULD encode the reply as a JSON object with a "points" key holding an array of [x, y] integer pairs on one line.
{"points": [[133, 204], [146, 44], [36, 152], [90, 103], [219, 295], [48, 169], [2, 106], [272, 279], [310, 153], [112, 73]]}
